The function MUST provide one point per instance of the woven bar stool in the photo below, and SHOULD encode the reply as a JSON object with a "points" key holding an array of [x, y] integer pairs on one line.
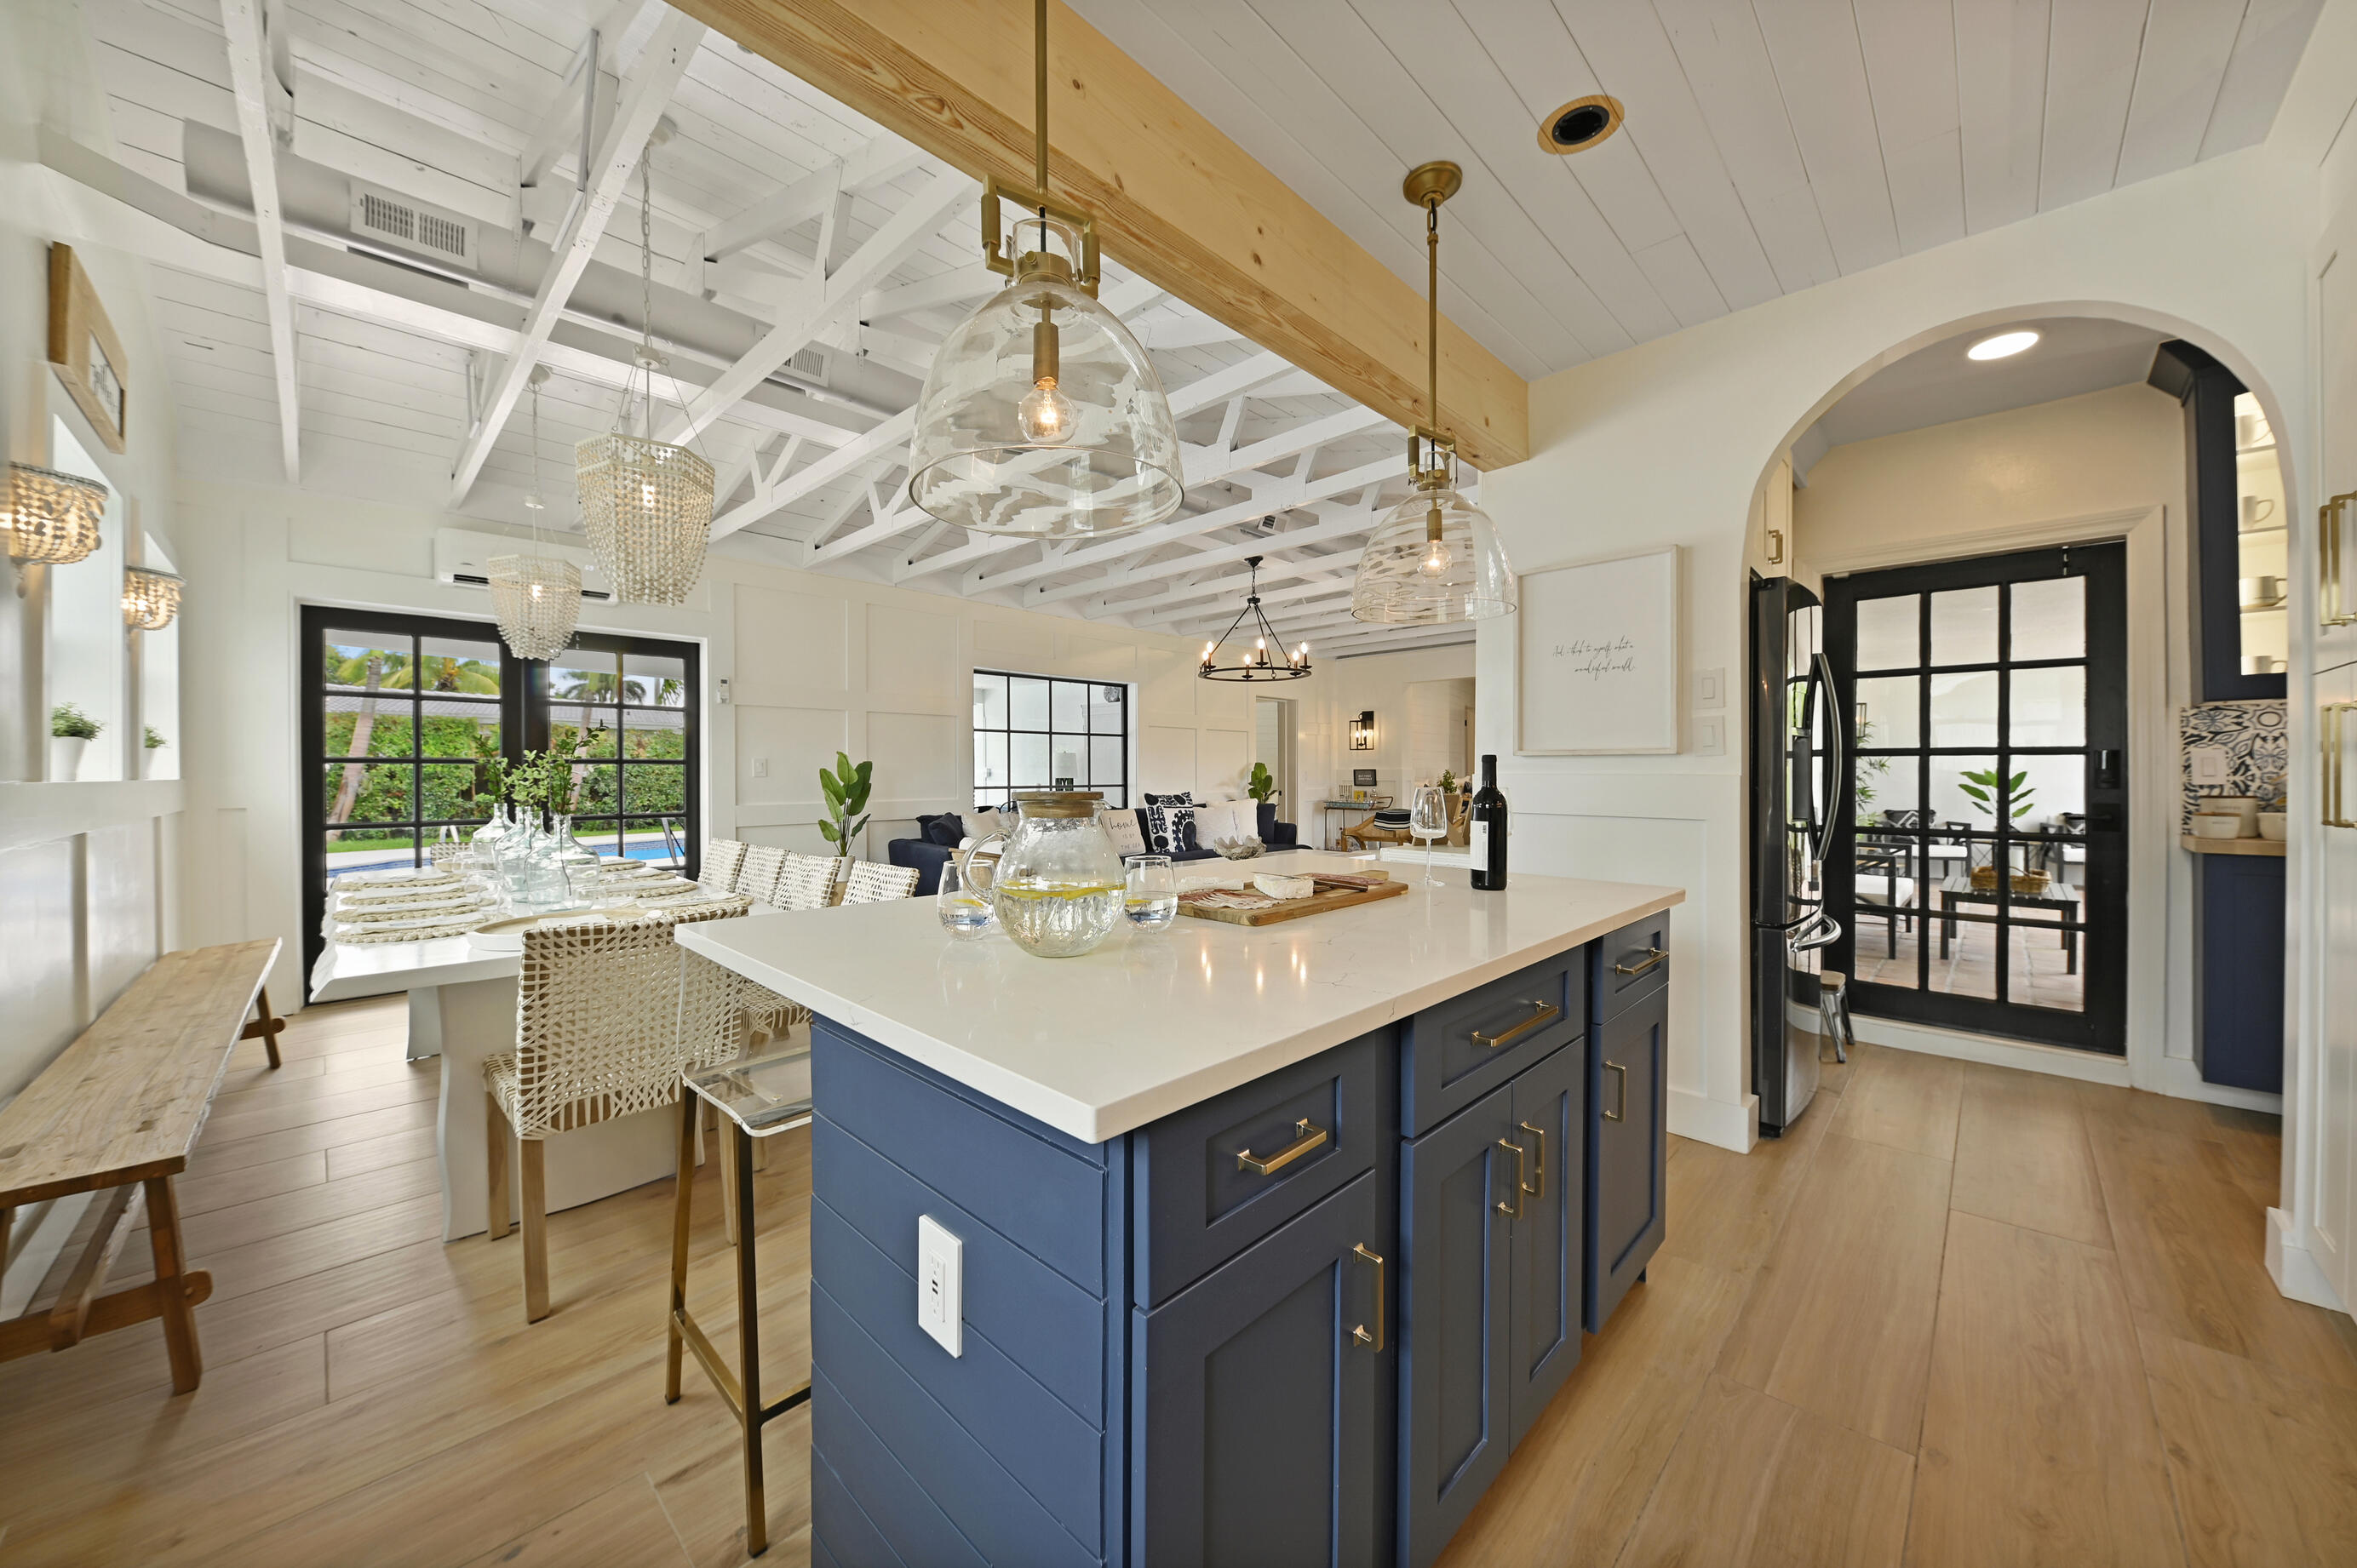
{"points": [[757, 1099], [873, 884], [722, 860]]}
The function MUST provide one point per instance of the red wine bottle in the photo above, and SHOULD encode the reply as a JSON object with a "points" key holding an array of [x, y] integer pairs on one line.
{"points": [[1486, 822]]}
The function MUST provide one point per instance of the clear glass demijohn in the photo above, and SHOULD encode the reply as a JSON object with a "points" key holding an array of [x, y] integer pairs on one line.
{"points": [[1041, 415]]}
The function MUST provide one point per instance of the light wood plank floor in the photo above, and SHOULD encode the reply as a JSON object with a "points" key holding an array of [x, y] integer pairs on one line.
{"points": [[1959, 1315]]}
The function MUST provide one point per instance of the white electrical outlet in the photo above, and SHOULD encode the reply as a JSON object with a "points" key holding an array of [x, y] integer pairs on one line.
{"points": [[940, 1284], [760, 768], [1710, 736], [2212, 765]]}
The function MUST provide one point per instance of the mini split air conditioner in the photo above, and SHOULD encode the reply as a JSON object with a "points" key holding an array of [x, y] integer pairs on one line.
{"points": [[461, 556]]}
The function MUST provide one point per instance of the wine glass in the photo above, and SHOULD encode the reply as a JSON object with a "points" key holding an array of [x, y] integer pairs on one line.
{"points": [[1152, 899], [1427, 819], [965, 913]]}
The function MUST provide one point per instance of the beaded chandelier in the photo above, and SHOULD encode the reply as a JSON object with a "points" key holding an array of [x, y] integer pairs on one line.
{"points": [[52, 517], [536, 596], [150, 598], [645, 504]]}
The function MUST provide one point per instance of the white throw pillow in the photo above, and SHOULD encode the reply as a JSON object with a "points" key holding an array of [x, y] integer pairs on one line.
{"points": [[980, 824], [1121, 826], [1224, 820]]}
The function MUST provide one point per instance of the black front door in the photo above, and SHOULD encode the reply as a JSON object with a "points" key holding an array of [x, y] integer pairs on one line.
{"points": [[1980, 866]]}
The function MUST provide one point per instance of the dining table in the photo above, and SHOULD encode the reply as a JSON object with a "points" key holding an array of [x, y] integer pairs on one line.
{"points": [[462, 1009]]}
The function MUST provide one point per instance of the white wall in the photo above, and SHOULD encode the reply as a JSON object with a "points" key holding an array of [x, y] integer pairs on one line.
{"points": [[2106, 464], [1669, 443]]}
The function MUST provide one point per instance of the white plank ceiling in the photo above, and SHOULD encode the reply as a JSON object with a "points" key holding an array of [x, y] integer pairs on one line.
{"points": [[1771, 145]]}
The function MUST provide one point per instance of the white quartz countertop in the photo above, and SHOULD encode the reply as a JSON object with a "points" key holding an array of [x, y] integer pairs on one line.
{"points": [[1150, 1024]]}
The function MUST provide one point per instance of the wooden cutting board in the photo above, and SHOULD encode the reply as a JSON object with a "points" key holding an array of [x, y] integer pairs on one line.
{"points": [[1295, 908]]}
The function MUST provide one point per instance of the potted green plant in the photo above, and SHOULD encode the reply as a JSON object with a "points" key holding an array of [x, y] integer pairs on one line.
{"points": [[151, 741], [1262, 785], [1985, 786], [846, 790], [70, 733]]}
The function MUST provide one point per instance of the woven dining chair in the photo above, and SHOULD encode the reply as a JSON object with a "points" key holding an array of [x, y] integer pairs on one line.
{"points": [[609, 1015], [807, 882], [723, 858], [758, 875], [875, 883]]}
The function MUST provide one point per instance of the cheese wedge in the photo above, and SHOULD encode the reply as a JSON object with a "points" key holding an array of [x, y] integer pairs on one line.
{"points": [[1277, 887]]}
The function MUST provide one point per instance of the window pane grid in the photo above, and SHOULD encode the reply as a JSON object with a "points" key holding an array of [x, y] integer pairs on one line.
{"points": [[1032, 732]]}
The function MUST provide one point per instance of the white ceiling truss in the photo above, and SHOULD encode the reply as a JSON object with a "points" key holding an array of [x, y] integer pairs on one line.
{"points": [[807, 264]]}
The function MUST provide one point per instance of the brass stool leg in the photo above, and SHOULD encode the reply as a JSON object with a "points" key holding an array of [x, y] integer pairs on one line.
{"points": [[680, 1212], [748, 1318]]}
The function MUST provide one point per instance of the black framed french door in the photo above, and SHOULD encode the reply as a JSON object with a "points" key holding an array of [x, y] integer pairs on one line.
{"points": [[1979, 863], [403, 715]]}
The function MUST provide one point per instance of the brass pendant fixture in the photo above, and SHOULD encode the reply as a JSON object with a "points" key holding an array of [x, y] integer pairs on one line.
{"points": [[1435, 558], [645, 504], [1256, 665], [1041, 415], [535, 596]]}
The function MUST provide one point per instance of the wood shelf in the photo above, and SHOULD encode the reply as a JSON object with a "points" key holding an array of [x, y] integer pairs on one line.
{"points": [[2232, 846]]}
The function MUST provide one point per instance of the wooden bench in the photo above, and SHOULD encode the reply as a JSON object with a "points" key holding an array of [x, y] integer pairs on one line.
{"points": [[118, 1114]]}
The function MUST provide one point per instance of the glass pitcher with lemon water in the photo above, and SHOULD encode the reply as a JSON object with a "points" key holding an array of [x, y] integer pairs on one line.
{"points": [[1058, 888]]}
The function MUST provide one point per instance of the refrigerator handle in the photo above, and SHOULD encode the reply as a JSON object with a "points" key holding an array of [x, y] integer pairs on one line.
{"points": [[1836, 764]]}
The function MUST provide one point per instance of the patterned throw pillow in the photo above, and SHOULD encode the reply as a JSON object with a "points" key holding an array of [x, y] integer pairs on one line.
{"points": [[1170, 824], [1121, 826]]}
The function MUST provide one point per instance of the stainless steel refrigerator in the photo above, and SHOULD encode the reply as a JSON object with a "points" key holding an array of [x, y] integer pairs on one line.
{"points": [[1795, 738]]}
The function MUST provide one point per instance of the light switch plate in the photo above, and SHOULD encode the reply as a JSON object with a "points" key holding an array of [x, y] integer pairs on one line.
{"points": [[1710, 736], [760, 768], [1710, 688], [2212, 765], [940, 1284]]}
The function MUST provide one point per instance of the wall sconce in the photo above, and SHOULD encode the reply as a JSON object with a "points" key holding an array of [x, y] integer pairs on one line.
{"points": [[52, 517], [1362, 732], [150, 598]]}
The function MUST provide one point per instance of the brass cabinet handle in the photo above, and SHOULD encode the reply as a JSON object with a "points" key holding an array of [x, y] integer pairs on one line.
{"points": [[1513, 1210], [1620, 1101], [1654, 956], [2331, 593], [2336, 809], [1309, 1138], [1546, 1013], [1538, 1161], [1371, 1341]]}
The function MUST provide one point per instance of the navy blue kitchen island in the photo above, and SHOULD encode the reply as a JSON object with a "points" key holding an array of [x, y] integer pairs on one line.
{"points": [[1373, 1173]]}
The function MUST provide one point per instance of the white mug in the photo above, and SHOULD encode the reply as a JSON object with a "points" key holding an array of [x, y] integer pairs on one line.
{"points": [[2251, 430], [2256, 510]]}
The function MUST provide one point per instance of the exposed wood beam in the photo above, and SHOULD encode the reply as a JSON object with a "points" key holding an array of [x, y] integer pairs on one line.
{"points": [[829, 299], [1337, 524], [1176, 200], [652, 82], [253, 80], [884, 157]]}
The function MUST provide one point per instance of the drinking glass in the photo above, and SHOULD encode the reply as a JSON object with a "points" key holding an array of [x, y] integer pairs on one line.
{"points": [[1428, 819], [1151, 899], [965, 913]]}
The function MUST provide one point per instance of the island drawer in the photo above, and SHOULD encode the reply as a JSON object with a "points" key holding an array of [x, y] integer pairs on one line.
{"points": [[1632, 964], [1455, 1051], [1213, 1179]]}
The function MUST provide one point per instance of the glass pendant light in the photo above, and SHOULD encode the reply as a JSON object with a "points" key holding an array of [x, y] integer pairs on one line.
{"points": [[1041, 415], [1434, 557], [645, 504], [536, 596], [1257, 665]]}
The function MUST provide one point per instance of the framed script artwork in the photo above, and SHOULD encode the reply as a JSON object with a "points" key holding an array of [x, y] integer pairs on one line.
{"points": [[1597, 657], [84, 350]]}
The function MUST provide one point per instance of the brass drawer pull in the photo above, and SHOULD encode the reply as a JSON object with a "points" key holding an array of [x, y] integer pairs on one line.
{"points": [[1269, 1165], [1371, 1341], [1538, 1161], [1620, 1101], [1547, 1013], [1654, 958], [2335, 813], [1513, 1210]]}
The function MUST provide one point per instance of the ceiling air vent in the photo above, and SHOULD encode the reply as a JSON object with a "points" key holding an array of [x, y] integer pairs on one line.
{"points": [[412, 225]]}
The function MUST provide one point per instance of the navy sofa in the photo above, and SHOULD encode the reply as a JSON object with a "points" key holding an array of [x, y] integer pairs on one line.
{"points": [[937, 840]]}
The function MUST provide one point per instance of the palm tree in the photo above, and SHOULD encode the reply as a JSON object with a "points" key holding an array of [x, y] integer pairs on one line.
{"points": [[348, 789]]}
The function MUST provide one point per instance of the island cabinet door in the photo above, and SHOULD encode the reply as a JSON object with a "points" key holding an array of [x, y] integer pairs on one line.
{"points": [[1456, 1187], [1255, 1400], [1543, 1315], [1628, 1142]]}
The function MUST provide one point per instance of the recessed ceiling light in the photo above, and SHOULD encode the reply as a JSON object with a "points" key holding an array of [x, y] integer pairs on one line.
{"points": [[1581, 124], [2001, 346]]}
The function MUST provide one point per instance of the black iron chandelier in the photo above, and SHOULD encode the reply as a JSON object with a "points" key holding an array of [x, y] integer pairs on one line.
{"points": [[1258, 665]]}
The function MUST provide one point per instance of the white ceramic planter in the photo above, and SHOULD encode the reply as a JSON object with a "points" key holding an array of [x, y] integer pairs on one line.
{"points": [[149, 759], [64, 758]]}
